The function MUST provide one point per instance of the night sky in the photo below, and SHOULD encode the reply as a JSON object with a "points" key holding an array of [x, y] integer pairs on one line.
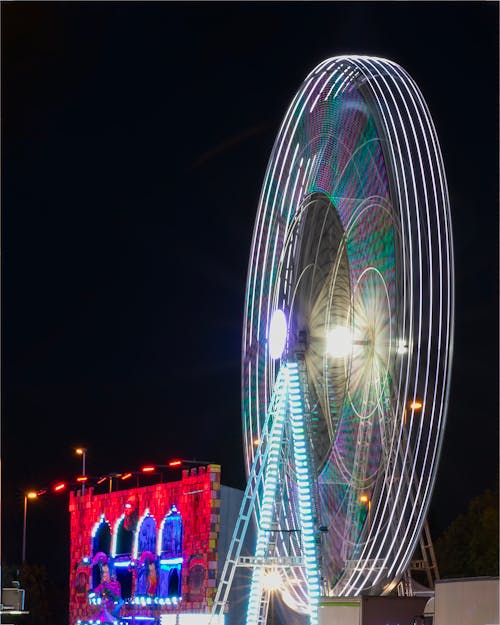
{"points": [[135, 139]]}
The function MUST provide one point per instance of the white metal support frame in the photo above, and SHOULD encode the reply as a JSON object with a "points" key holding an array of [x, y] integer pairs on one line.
{"points": [[286, 402]]}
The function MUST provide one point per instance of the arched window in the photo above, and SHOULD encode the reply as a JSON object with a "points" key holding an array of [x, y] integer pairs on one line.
{"points": [[147, 536], [196, 581], [170, 552], [101, 543], [123, 541], [101, 538], [146, 551], [174, 583], [171, 535]]}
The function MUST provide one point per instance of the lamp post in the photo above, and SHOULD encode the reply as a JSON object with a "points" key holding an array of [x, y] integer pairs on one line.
{"points": [[28, 495], [81, 451], [365, 499], [180, 462]]}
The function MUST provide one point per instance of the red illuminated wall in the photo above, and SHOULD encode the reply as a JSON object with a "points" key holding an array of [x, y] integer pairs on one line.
{"points": [[197, 497]]}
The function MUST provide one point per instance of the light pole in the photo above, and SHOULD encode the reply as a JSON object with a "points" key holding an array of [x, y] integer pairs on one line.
{"points": [[367, 500], [82, 451], [29, 495]]}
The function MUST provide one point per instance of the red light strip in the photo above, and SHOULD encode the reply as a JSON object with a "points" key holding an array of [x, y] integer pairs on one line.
{"points": [[148, 469], [175, 463], [59, 487], [126, 476]]}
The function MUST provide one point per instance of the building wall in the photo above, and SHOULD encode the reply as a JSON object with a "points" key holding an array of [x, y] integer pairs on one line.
{"points": [[196, 496], [473, 601]]}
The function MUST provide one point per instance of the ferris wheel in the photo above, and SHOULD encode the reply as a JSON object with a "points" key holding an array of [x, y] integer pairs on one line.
{"points": [[347, 337]]}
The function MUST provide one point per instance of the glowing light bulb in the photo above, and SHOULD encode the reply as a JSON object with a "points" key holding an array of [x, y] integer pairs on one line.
{"points": [[272, 581], [277, 334], [339, 342], [402, 347]]}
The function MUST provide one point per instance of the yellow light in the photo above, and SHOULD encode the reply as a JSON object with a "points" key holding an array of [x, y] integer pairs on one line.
{"points": [[31, 495], [80, 451], [256, 442], [364, 499], [416, 405]]}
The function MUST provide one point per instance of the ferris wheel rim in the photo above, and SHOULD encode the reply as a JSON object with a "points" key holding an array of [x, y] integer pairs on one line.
{"points": [[404, 94]]}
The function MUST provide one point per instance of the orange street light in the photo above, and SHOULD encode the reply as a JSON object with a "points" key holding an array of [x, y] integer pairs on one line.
{"points": [[178, 462], [366, 500], [82, 451], [416, 405]]}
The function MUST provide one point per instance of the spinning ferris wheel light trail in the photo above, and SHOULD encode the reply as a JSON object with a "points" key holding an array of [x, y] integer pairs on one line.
{"points": [[347, 340]]}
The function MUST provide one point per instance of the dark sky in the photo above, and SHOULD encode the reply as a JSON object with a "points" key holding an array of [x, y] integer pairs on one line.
{"points": [[134, 143]]}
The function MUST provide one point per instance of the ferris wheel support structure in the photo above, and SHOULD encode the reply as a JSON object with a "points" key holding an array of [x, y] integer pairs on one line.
{"points": [[288, 402], [351, 271]]}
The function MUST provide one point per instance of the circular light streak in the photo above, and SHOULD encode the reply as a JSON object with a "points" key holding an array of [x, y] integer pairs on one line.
{"points": [[353, 239]]}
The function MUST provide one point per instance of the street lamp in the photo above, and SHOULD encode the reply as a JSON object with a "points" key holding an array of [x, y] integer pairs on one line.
{"points": [[81, 451], [180, 462], [29, 495], [366, 500]]}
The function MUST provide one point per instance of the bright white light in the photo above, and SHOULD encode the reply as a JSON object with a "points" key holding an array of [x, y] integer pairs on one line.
{"points": [[277, 334], [339, 342], [402, 347], [272, 581]]}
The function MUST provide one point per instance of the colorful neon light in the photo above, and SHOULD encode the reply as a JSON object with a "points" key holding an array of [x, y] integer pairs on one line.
{"points": [[136, 536], [114, 534]]}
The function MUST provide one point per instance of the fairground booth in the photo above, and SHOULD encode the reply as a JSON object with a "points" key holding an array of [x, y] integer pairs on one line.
{"points": [[151, 554]]}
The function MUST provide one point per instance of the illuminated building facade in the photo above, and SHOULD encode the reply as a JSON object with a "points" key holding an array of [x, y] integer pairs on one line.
{"points": [[151, 553]]}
